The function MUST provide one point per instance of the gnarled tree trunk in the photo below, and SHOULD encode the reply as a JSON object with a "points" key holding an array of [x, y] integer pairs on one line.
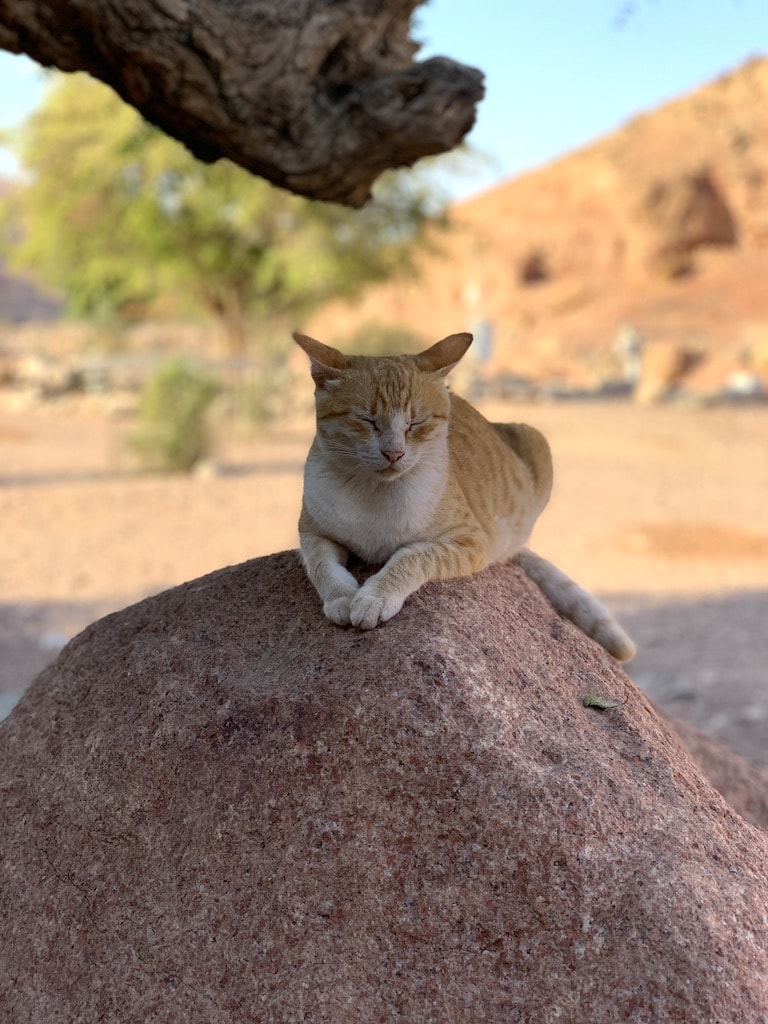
{"points": [[317, 97]]}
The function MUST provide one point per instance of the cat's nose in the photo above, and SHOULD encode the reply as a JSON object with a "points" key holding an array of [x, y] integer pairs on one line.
{"points": [[392, 455]]}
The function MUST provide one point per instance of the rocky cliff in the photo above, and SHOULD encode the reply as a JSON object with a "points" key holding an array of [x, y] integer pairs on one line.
{"points": [[663, 225]]}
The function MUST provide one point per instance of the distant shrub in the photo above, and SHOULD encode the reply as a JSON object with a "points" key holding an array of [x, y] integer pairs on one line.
{"points": [[374, 338], [256, 392], [173, 432], [260, 396]]}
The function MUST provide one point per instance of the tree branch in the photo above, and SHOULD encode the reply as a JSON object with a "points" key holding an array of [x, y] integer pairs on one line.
{"points": [[317, 97]]}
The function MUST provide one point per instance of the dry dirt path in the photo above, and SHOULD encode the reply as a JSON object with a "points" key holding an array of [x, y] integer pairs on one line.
{"points": [[664, 512]]}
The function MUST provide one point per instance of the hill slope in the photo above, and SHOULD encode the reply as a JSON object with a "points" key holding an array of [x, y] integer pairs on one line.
{"points": [[662, 225]]}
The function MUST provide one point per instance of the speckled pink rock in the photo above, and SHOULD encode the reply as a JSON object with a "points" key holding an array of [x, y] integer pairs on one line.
{"points": [[217, 808]]}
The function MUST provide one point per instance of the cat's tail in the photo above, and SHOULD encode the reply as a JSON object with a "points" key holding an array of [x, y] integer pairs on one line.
{"points": [[577, 604]]}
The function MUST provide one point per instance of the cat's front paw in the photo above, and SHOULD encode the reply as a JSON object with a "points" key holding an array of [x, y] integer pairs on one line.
{"points": [[369, 608], [337, 609]]}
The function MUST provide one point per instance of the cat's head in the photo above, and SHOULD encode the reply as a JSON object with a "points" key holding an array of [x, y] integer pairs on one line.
{"points": [[381, 415]]}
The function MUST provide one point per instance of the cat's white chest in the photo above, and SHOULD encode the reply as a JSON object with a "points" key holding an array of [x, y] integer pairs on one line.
{"points": [[373, 519]]}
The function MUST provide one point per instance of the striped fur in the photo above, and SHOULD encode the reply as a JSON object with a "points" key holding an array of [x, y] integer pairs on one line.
{"points": [[404, 474]]}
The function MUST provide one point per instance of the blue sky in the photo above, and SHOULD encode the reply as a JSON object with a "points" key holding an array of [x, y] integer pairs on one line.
{"points": [[558, 74]]}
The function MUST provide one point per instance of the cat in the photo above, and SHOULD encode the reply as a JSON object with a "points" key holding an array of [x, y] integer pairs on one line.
{"points": [[406, 474]]}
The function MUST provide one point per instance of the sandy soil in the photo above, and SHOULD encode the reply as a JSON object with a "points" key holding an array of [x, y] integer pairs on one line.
{"points": [[663, 512]]}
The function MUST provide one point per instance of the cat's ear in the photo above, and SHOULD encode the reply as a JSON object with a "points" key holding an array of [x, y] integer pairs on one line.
{"points": [[327, 362], [442, 357]]}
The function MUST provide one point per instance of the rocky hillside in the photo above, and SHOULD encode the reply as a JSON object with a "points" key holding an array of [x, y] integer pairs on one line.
{"points": [[640, 258], [660, 229], [21, 298]]}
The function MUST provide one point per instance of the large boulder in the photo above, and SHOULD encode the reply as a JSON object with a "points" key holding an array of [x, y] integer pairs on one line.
{"points": [[218, 807]]}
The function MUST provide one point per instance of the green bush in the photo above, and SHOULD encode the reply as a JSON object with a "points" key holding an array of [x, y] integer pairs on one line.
{"points": [[173, 432], [378, 339]]}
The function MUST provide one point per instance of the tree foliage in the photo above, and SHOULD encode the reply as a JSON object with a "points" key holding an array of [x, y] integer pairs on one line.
{"points": [[116, 214]]}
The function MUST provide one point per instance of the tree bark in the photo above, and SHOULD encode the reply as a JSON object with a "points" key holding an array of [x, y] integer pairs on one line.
{"points": [[316, 96]]}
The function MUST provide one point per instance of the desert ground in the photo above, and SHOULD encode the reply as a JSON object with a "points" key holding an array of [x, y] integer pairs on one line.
{"points": [[661, 511]]}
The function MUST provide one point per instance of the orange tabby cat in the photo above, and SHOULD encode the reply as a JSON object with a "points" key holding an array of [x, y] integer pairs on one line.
{"points": [[404, 473]]}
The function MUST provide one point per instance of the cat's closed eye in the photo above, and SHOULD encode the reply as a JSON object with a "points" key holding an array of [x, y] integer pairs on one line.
{"points": [[365, 419]]}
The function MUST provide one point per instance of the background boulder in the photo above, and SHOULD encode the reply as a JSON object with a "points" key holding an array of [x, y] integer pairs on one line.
{"points": [[217, 807]]}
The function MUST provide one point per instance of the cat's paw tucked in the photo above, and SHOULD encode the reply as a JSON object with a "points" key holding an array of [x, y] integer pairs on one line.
{"points": [[337, 609], [369, 608]]}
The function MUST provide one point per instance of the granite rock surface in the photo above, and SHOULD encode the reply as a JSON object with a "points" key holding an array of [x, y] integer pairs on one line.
{"points": [[217, 807]]}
